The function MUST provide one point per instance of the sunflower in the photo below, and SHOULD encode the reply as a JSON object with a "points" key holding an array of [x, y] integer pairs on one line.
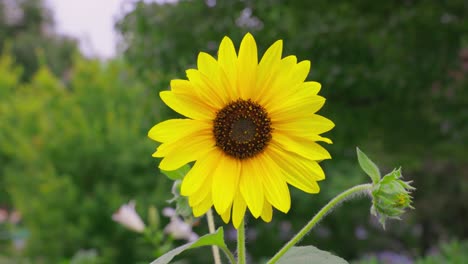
{"points": [[250, 129]]}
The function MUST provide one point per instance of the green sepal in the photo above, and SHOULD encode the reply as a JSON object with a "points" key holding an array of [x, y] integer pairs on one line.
{"points": [[368, 166]]}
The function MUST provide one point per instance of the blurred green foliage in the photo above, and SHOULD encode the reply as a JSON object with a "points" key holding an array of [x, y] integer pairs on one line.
{"points": [[453, 252], [72, 154], [73, 143], [450, 252]]}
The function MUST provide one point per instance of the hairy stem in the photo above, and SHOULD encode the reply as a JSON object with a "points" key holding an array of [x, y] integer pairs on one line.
{"points": [[346, 195], [241, 244]]}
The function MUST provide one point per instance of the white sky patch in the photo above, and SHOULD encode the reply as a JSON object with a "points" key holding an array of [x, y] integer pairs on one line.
{"points": [[90, 21]]}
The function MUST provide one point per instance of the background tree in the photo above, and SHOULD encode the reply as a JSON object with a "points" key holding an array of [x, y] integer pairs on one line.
{"points": [[27, 28]]}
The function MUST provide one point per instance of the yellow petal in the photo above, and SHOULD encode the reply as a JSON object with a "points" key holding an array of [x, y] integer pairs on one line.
{"points": [[275, 187], [201, 174], [206, 89], [288, 80], [188, 106], [183, 151], [193, 138], [212, 75], [306, 136], [174, 129], [279, 82], [182, 87], [304, 127], [202, 89], [304, 147], [227, 52], [287, 63], [251, 186], [267, 212], [312, 87], [299, 172], [267, 68], [294, 106], [238, 210], [203, 207], [300, 73], [207, 64], [203, 193], [225, 183], [198, 196], [226, 216], [247, 63], [227, 60], [304, 88], [271, 56]]}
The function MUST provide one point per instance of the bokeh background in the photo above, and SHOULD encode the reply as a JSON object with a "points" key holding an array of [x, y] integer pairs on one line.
{"points": [[73, 143]]}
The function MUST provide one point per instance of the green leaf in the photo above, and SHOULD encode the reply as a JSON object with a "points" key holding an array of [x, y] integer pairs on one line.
{"points": [[309, 254], [368, 166], [178, 174], [216, 239]]}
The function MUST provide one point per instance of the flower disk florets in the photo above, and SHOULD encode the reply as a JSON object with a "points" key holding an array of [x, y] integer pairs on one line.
{"points": [[242, 129]]}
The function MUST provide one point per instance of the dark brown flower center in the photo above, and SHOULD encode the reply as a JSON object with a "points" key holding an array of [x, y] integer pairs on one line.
{"points": [[242, 129]]}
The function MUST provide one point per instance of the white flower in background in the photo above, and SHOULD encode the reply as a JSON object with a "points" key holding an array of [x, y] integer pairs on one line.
{"points": [[15, 217], [169, 212], [3, 215], [178, 228], [128, 217]]}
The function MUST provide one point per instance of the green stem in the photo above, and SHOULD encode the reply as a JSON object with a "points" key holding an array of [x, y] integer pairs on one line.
{"points": [[211, 227], [241, 243], [229, 255], [348, 194]]}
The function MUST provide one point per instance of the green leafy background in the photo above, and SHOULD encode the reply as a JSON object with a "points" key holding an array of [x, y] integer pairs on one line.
{"points": [[73, 143]]}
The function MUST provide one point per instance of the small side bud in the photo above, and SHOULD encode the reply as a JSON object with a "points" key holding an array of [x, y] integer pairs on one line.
{"points": [[391, 197], [182, 205]]}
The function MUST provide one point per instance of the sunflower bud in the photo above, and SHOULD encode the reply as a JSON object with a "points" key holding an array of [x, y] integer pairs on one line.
{"points": [[391, 197]]}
